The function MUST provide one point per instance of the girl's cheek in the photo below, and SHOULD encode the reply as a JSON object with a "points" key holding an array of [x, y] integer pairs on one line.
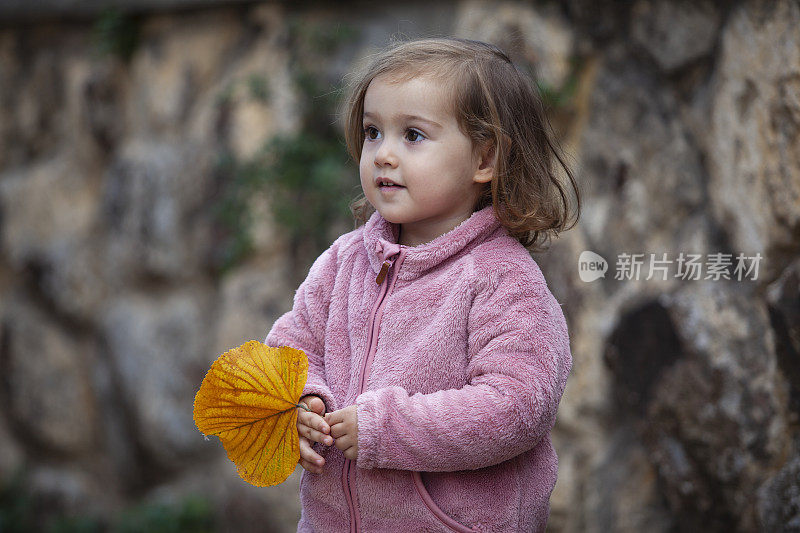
{"points": [[366, 157]]}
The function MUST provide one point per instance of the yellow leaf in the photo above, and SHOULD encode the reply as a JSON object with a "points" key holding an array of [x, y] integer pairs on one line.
{"points": [[249, 400]]}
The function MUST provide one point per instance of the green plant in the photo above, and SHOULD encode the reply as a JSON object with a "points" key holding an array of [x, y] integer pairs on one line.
{"points": [[16, 506], [304, 176], [559, 97], [21, 513], [74, 524], [191, 515], [307, 175], [258, 87], [116, 32]]}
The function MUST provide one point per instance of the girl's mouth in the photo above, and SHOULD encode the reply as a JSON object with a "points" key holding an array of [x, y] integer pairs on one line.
{"points": [[390, 189], [387, 183]]}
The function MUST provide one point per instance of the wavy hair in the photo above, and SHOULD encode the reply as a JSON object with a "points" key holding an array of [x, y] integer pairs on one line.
{"points": [[495, 103]]}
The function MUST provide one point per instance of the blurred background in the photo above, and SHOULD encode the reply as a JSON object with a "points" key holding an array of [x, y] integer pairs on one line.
{"points": [[169, 169]]}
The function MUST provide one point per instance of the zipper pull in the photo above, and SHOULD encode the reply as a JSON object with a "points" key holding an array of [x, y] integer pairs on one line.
{"points": [[382, 274]]}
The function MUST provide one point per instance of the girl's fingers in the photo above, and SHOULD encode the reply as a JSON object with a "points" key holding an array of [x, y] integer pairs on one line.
{"points": [[306, 427], [310, 467], [316, 436], [314, 403], [309, 459], [313, 420], [308, 453], [343, 443], [317, 405]]}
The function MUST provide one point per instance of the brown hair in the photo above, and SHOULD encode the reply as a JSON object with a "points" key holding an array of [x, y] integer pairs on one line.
{"points": [[496, 103]]}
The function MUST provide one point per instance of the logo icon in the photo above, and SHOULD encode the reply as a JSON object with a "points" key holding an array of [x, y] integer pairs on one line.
{"points": [[591, 266]]}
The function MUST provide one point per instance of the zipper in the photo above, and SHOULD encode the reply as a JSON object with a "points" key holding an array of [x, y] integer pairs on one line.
{"points": [[382, 274], [348, 472]]}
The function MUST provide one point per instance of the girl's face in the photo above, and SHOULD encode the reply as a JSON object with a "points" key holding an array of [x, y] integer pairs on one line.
{"points": [[412, 138]]}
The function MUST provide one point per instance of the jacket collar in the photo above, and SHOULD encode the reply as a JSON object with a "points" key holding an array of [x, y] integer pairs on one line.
{"points": [[380, 240]]}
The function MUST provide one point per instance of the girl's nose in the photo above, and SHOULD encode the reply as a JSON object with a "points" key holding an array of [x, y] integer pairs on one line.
{"points": [[385, 155]]}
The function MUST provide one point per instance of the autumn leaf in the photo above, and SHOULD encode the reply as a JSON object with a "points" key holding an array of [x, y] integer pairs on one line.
{"points": [[249, 400]]}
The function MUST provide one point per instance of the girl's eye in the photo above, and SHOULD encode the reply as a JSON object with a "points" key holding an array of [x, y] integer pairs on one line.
{"points": [[416, 133], [368, 130]]}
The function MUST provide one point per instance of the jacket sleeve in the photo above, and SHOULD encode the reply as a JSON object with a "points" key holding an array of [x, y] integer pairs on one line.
{"points": [[519, 362], [304, 326]]}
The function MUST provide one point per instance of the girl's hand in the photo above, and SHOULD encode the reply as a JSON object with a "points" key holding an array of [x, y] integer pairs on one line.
{"points": [[311, 427], [344, 428]]}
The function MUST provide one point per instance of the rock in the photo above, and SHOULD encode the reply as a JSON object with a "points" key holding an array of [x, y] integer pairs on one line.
{"points": [[22, 10], [783, 300], [55, 94], [717, 420], [152, 201], [252, 298], [675, 33], [643, 344], [628, 174], [51, 231], [99, 102], [181, 57], [34, 110], [754, 149], [46, 207], [77, 278], [47, 380], [625, 490], [537, 37], [12, 455], [260, 90], [600, 20], [67, 490], [11, 154], [237, 504], [159, 348], [779, 498]]}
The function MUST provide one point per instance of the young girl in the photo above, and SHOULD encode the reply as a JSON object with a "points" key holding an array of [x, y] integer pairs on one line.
{"points": [[437, 354]]}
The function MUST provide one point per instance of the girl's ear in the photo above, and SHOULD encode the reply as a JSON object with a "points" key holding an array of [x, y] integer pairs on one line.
{"points": [[486, 163]]}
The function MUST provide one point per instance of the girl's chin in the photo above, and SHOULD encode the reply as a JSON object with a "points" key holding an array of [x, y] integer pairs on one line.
{"points": [[391, 217]]}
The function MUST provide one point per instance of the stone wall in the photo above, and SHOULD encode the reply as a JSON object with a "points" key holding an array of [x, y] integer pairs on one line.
{"points": [[680, 119]]}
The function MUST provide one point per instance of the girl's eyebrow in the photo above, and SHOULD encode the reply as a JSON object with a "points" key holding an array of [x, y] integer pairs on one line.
{"points": [[398, 116]]}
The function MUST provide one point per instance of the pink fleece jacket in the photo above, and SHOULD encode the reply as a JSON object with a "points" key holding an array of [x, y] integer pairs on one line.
{"points": [[456, 354]]}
